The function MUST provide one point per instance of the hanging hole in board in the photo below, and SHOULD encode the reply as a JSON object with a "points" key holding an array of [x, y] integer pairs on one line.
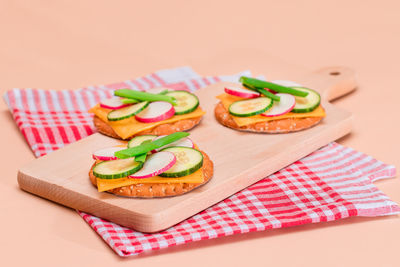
{"points": [[334, 73]]}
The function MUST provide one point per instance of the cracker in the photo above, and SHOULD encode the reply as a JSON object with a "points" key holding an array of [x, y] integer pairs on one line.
{"points": [[160, 190], [287, 125]]}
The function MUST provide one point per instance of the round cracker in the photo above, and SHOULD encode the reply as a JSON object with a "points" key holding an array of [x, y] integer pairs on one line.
{"points": [[162, 129], [160, 190], [276, 126]]}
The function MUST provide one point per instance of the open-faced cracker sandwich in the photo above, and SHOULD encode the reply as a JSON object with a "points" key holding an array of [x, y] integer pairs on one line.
{"points": [[268, 107], [151, 166], [132, 113]]}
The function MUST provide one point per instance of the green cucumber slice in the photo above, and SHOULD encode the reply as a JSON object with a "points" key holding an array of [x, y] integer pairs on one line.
{"points": [[114, 169], [250, 107], [127, 112], [188, 160], [138, 140], [308, 103], [185, 102]]}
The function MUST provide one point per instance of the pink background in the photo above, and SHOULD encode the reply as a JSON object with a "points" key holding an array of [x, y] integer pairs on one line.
{"points": [[59, 45]]}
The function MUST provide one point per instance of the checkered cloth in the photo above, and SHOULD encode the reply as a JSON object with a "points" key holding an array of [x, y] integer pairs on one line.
{"points": [[332, 183]]}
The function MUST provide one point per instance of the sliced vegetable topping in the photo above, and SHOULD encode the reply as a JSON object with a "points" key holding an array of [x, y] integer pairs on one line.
{"points": [[308, 103], [241, 92], [156, 111], [113, 103], [250, 107], [272, 92], [142, 157], [185, 102], [185, 142], [138, 140], [155, 164], [106, 153], [269, 93], [149, 146], [143, 96], [129, 101], [115, 169], [266, 92], [282, 107], [127, 112], [275, 87], [188, 160]]}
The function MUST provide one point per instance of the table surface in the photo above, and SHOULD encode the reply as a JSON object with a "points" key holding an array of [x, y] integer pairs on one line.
{"points": [[57, 45]]}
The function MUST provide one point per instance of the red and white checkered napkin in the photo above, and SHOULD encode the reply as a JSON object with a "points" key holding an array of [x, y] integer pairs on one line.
{"points": [[51, 119], [332, 183]]}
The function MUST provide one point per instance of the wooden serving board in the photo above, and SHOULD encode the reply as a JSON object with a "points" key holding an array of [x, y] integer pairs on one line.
{"points": [[240, 159]]}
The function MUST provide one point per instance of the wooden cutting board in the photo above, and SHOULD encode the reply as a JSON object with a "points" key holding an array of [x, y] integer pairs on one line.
{"points": [[240, 159]]}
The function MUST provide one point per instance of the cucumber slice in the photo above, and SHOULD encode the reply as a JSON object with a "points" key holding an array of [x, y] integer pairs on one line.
{"points": [[115, 169], [188, 160], [185, 102], [307, 103], [250, 107], [138, 140], [127, 112]]}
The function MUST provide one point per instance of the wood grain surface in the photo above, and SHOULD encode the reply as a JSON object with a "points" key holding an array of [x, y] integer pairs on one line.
{"points": [[240, 159]]}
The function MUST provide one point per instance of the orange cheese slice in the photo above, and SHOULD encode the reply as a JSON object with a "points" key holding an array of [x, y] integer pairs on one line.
{"points": [[128, 127], [108, 184], [227, 100]]}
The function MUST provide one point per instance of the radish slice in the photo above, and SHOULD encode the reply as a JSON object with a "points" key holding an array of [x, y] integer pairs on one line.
{"points": [[241, 92], [271, 91], [186, 142], [155, 164], [106, 153], [156, 111], [286, 83], [112, 103], [284, 106]]}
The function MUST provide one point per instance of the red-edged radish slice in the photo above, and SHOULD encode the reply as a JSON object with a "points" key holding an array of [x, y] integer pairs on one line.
{"points": [[112, 103], [107, 153], [284, 106], [155, 164], [271, 91], [186, 142], [287, 83], [156, 111], [241, 92]]}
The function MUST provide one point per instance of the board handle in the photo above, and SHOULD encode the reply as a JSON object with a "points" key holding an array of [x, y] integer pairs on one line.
{"points": [[334, 82]]}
